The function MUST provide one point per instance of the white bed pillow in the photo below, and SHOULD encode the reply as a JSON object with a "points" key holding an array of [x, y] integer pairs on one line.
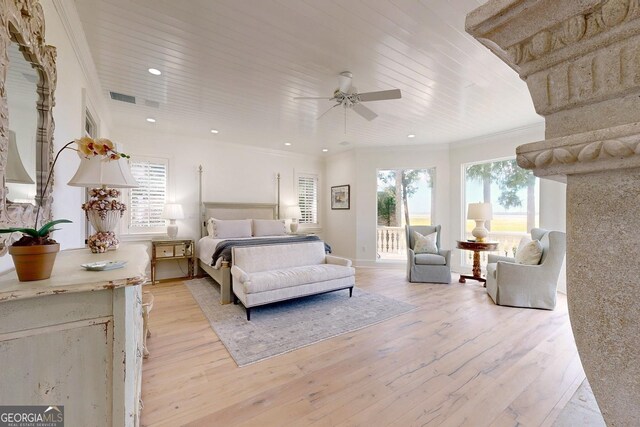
{"points": [[210, 227], [269, 227], [529, 252], [425, 244], [229, 228]]}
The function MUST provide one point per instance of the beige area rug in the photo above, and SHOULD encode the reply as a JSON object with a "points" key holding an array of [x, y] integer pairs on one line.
{"points": [[286, 326]]}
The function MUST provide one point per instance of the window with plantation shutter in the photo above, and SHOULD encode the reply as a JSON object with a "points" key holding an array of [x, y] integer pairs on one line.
{"points": [[308, 198], [147, 200]]}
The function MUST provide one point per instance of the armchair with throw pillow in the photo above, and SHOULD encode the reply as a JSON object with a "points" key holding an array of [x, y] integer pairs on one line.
{"points": [[531, 279], [426, 261]]}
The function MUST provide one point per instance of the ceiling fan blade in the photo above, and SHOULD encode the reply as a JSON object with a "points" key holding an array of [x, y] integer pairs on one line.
{"points": [[380, 96], [345, 81], [312, 97], [321, 115], [364, 111]]}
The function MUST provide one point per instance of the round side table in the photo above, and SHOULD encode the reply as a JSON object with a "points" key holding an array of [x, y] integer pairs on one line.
{"points": [[476, 247]]}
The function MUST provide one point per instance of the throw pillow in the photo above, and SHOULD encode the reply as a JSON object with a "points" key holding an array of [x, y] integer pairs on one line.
{"points": [[425, 244], [269, 227], [529, 253], [229, 229]]}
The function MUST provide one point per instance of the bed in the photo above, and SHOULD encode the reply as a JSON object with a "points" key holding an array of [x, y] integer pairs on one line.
{"points": [[220, 271], [206, 245]]}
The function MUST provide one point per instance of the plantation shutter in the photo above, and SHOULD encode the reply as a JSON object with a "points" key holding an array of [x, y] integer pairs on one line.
{"points": [[148, 199], [308, 198]]}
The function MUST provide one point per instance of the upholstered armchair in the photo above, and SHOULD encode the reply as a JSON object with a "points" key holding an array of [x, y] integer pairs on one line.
{"points": [[427, 268], [533, 286]]}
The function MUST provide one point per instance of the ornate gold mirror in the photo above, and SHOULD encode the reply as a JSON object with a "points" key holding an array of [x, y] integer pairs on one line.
{"points": [[27, 84]]}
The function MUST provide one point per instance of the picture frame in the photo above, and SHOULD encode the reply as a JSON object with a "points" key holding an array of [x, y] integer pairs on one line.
{"points": [[341, 197]]}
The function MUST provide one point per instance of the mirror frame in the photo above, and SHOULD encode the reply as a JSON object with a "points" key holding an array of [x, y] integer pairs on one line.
{"points": [[22, 22]]}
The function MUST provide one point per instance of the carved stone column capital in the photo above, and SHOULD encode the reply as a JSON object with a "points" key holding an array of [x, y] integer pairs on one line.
{"points": [[579, 58], [581, 62]]}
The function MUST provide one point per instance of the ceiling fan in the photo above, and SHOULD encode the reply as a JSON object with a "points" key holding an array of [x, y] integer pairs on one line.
{"points": [[347, 96]]}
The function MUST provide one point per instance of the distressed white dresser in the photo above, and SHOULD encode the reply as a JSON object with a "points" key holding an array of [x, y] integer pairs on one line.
{"points": [[76, 339]]}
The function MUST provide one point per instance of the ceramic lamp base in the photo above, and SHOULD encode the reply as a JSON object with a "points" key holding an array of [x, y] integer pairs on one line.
{"points": [[103, 211], [293, 226], [103, 241], [480, 232], [172, 229]]}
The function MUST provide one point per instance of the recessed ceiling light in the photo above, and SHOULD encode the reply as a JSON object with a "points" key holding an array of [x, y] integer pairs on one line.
{"points": [[411, 135], [214, 130], [288, 144], [155, 71], [151, 120], [324, 150]]}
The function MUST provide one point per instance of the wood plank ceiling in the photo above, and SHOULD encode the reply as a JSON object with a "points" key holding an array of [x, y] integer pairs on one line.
{"points": [[235, 66]]}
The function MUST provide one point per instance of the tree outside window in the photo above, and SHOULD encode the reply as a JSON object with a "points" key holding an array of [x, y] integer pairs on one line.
{"points": [[513, 194], [405, 196]]}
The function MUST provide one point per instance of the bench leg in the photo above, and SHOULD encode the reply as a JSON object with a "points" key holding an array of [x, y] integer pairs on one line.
{"points": [[248, 314], [350, 291]]}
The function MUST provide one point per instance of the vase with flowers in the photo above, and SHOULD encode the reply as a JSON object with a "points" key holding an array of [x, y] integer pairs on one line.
{"points": [[100, 170], [35, 252]]}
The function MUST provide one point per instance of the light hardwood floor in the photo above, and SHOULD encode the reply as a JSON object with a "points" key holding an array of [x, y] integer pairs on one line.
{"points": [[456, 360]]}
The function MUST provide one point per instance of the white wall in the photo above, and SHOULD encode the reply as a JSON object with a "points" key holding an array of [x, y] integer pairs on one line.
{"points": [[340, 233], [232, 173], [352, 233]]}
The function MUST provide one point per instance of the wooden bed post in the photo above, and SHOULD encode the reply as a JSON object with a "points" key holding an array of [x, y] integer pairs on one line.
{"points": [[278, 197], [200, 204]]}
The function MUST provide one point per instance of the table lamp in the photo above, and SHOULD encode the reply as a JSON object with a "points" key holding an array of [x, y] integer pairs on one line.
{"points": [[294, 213], [480, 213], [103, 209], [15, 171], [172, 211]]}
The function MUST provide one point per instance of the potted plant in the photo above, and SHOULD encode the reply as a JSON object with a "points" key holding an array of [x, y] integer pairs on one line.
{"points": [[34, 254]]}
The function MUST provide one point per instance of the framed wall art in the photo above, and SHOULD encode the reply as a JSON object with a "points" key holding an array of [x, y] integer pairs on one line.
{"points": [[341, 197]]}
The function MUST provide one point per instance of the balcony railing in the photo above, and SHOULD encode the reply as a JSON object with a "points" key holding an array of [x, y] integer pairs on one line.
{"points": [[508, 243], [391, 243]]}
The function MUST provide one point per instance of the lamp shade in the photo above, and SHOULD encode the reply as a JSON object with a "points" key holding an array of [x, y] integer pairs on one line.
{"points": [[293, 212], [479, 211], [172, 211], [15, 172], [97, 171]]}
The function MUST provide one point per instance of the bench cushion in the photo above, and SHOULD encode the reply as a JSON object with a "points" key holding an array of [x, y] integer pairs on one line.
{"points": [[254, 259], [278, 279], [430, 259]]}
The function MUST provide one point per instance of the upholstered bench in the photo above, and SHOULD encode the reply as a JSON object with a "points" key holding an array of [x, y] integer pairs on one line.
{"points": [[267, 274]]}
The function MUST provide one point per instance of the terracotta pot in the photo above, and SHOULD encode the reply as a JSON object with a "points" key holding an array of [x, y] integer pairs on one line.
{"points": [[34, 262]]}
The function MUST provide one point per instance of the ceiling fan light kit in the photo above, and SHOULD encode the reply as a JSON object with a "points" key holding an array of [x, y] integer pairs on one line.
{"points": [[348, 97]]}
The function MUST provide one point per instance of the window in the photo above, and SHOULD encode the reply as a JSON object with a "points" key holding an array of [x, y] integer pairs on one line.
{"points": [[513, 194], [147, 200], [90, 128], [405, 196], [308, 198]]}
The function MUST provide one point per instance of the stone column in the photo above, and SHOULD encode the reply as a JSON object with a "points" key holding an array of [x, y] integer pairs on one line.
{"points": [[581, 62]]}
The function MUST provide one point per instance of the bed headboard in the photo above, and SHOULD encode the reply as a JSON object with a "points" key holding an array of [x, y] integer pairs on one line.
{"points": [[236, 211]]}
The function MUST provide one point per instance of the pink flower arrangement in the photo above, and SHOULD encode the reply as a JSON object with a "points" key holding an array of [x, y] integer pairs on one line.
{"points": [[103, 200], [101, 241]]}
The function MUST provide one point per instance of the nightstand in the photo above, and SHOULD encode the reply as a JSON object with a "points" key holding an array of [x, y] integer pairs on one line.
{"points": [[163, 250]]}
